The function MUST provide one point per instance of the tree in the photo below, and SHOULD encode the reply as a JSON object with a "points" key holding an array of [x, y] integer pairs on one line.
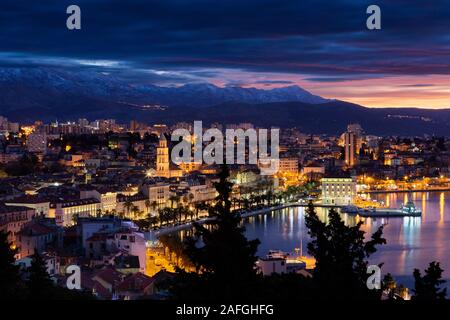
{"points": [[39, 283], [341, 256], [161, 217], [75, 218], [154, 205], [136, 212], [128, 205], [428, 287], [174, 199], [147, 205], [225, 262], [9, 272]]}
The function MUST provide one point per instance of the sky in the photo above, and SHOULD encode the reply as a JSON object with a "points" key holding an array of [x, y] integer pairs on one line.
{"points": [[322, 46]]}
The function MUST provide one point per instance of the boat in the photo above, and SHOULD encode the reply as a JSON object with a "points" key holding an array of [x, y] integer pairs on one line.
{"points": [[406, 210]]}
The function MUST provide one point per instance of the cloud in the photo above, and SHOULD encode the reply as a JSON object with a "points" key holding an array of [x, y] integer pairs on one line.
{"points": [[231, 42]]}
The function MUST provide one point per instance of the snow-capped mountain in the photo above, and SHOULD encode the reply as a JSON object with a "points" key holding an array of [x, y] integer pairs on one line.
{"points": [[44, 87]]}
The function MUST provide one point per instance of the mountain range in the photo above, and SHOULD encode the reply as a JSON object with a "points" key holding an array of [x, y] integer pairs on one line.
{"points": [[28, 94]]}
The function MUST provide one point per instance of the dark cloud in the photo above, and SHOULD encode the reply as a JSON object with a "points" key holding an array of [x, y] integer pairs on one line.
{"points": [[326, 40]]}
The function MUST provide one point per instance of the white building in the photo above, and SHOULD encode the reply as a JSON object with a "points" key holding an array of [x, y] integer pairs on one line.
{"points": [[132, 243], [40, 205], [106, 197], [158, 192], [269, 266], [338, 191], [65, 211]]}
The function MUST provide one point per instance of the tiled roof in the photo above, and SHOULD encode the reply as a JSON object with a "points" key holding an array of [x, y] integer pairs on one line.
{"points": [[8, 209], [109, 275], [36, 229], [135, 282]]}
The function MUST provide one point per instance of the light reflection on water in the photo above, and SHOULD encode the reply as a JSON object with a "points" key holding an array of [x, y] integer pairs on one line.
{"points": [[412, 242]]}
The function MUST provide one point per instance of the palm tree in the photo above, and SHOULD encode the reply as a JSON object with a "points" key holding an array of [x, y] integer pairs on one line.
{"points": [[191, 197], [182, 210], [135, 211], [197, 209], [185, 199], [161, 216], [174, 199], [172, 214], [147, 205], [154, 205], [75, 218], [128, 205], [152, 221]]}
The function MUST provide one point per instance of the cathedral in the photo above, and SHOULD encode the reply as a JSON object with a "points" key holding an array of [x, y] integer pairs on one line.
{"points": [[163, 166]]}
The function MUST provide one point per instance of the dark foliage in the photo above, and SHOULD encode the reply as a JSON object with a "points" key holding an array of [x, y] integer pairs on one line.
{"points": [[341, 257], [428, 286]]}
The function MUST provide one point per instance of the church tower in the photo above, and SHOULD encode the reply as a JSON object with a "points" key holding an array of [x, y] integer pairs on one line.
{"points": [[162, 157]]}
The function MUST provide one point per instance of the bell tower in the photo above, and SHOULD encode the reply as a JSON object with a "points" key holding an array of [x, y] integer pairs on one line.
{"points": [[162, 157]]}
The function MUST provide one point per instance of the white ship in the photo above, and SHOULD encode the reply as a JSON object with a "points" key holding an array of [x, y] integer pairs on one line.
{"points": [[406, 210]]}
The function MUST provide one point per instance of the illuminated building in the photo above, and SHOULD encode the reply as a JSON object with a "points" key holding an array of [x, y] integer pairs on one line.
{"points": [[163, 168], [338, 191], [288, 166], [66, 210], [13, 218], [350, 144]]}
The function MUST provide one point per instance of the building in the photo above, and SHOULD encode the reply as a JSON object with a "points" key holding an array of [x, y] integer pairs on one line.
{"points": [[107, 197], [51, 261], [135, 286], [156, 192], [66, 211], [13, 218], [38, 235], [272, 265], [87, 227], [338, 191], [313, 172], [133, 207], [356, 129], [163, 167], [132, 243], [288, 166], [39, 204], [350, 145], [109, 278]]}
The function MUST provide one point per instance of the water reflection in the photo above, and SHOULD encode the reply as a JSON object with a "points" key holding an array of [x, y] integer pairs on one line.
{"points": [[412, 242]]}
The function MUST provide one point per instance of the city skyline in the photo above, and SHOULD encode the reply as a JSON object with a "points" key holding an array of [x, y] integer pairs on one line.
{"points": [[322, 47]]}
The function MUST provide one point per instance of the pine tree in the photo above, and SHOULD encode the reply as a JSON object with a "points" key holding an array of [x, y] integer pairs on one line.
{"points": [[341, 256], [39, 283], [225, 261], [9, 273], [428, 287]]}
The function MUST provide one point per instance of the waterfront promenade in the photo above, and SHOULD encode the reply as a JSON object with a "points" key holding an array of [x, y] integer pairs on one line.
{"points": [[189, 224]]}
